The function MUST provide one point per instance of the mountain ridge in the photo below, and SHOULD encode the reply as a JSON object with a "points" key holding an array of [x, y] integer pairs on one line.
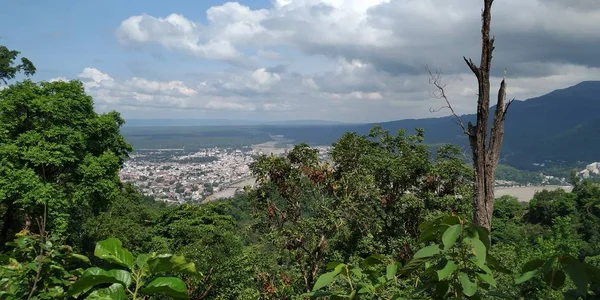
{"points": [[551, 119]]}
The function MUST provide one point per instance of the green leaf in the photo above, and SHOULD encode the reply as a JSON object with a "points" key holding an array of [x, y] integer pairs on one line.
{"points": [[532, 265], [316, 294], [113, 292], [450, 220], [412, 265], [469, 288], [478, 249], [529, 270], [80, 257], [430, 223], [484, 236], [451, 235], [441, 288], [333, 265], [431, 233], [555, 279], [391, 270], [169, 286], [373, 260], [170, 263], [447, 270], [357, 272], [547, 266], [141, 260], [325, 280], [95, 276], [428, 251], [489, 279], [369, 288], [526, 276], [576, 271], [112, 250]]}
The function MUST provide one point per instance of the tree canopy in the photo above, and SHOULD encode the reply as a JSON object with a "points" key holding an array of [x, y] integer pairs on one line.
{"points": [[57, 154]]}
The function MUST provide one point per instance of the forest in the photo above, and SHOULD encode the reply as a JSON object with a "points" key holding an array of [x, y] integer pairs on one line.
{"points": [[384, 218]]}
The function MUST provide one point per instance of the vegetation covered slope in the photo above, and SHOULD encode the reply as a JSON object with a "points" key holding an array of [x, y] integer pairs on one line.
{"points": [[566, 119]]}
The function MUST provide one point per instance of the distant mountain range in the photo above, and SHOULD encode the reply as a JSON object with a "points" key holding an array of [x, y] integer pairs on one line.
{"points": [[225, 122], [561, 127]]}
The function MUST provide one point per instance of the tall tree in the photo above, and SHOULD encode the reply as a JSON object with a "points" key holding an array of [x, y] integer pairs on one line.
{"points": [[8, 69], [485, 143], [56, 153]]}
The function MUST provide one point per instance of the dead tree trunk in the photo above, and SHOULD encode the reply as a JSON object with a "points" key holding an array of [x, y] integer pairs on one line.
{"points": [[485, 150]]}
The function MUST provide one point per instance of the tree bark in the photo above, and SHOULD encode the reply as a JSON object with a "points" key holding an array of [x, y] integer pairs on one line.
{"points": [[486, 151]]}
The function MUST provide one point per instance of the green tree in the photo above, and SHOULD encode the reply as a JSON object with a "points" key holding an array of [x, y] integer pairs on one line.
{"points": [[548, 205], [8, 66], [208, 236], [56, 152]]}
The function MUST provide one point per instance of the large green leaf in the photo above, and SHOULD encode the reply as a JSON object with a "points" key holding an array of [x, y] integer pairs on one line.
{"points": [[488, 278], [447, 270], [333, 265], [469, 287], [577, 273], [170, 263], [114, 292], [529, 270], [391, 270], [484, 236], [373, 260], [95, 276], [526, 276], [478, 249], [112, 250], [431, 233], [450, 220], [451, 235], [428, 251], [141, 260], [170, 286], [532, 265], [327, 278], [555, 279]]}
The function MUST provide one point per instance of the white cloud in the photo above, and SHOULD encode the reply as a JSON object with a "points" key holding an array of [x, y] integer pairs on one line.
{"points": [[374, 51], [60, 78]]}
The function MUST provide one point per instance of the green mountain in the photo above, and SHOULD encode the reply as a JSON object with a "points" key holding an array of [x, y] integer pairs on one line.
{"points": [[560, 127]]}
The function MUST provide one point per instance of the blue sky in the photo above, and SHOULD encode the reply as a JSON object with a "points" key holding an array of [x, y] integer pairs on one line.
{"points": [[346, 60]]}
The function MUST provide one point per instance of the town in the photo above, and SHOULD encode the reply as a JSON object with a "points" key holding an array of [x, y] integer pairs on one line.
{"points": [[177, 176]]}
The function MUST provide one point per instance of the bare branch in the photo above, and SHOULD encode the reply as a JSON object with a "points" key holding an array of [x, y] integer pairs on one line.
{"points": [[435, 80], [472, 66], [506, 109]]}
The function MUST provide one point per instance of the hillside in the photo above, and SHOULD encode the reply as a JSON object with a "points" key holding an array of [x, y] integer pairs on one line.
{"points": [[561, 125]]}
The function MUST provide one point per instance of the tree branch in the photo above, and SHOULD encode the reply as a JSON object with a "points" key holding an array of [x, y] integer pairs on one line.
{"points": [[506, 109], [435, 80], [472, 66]]}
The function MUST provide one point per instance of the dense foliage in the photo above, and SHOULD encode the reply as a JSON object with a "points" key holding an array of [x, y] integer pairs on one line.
{"points": [[381, 218]]}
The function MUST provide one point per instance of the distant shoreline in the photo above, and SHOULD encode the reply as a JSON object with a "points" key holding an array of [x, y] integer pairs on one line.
{"points": [[526, 193]]}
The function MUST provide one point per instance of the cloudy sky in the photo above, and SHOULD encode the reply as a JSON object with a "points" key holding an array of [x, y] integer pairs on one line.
{"points": [[345, 60]]}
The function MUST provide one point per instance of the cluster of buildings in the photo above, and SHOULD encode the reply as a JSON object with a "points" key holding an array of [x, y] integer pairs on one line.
{"points": [[590, 170], [176, 176]]}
